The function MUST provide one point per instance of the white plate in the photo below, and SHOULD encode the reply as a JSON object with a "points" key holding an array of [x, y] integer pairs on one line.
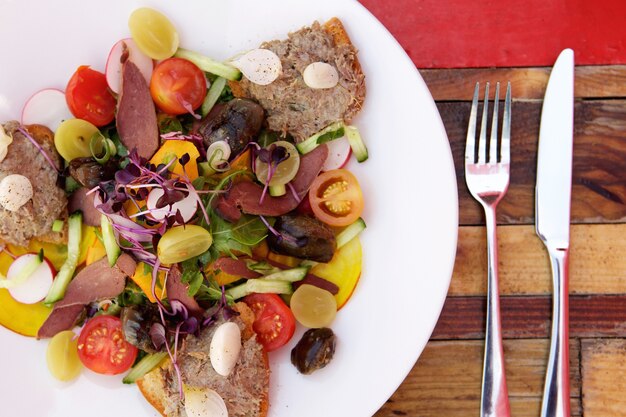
{"points": [[408, 182]]}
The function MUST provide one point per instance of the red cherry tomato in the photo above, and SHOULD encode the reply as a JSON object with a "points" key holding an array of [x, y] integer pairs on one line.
{"points": [[274, 322], [102, 347], [336, 197], [88, 97], [177, 86]]}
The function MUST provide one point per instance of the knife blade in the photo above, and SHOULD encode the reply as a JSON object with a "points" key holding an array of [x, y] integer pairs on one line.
{"points": [[552, 219]]}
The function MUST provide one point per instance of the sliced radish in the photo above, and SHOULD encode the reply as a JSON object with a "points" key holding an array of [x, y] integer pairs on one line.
{"points": [[338, 154], [261, 66], [46, 107], [187, 206], [113, 69], [36, 287]]}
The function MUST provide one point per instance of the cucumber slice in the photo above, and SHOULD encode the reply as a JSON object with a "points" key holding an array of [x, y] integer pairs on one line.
{"points": [[289, 275], [350, 232], [213, 95], [277, 190], [210, 65], [57, 226], [145, 365], [259, 285], [356, 143], [66, 273], [330, 132], [108, 238]]}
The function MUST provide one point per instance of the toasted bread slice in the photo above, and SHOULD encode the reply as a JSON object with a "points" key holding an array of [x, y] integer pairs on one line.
{"points": [[296, 109], [153, 385]]}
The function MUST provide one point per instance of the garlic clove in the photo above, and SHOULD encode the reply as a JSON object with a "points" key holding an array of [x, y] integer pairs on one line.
{"points": [[260, 66], [225, 348], [15, 191], [204, 402], [320, 75]]}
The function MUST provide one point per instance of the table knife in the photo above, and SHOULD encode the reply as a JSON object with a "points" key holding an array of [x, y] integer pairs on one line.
{"points": [[552, 220]]}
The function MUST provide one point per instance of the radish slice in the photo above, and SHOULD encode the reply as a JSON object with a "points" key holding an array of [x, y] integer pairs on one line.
{"points": [[319, 75], [260, 66], [338, 154], [113, 69], [46, 107], [187, 206], [36, 287]]}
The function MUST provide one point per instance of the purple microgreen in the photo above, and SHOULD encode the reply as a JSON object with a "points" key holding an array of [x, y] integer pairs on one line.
{"points": [[183, 160], [187, 106], [279, 154], [157, 335], [179, 309], [39, 148], [293, 192], [179, 217]]}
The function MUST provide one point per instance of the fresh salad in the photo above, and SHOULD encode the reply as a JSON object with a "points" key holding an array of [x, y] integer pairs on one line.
{"points": [[175, 196]]}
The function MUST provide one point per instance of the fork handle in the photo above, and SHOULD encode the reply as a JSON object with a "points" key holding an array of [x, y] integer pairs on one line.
{"points": [[494, 397], [556, 395]]}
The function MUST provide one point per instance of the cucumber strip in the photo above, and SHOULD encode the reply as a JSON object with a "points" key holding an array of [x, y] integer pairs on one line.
{"points": [[330, 132], [108, 238], [308, 263], [205, 169], [57, 226], [66, 273], [289, 275], [259, 285], [262, 267], [24, 274], [213, 95], [350, 232], [356, 143], [145, 365], [210, 65], [277, 190]]}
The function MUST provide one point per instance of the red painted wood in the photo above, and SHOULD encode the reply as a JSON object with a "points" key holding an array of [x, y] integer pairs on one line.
{"points": [[505, 33]]}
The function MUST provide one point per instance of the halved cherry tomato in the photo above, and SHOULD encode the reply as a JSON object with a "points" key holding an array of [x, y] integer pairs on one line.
{"points": [[336, 197], [177, 86], [274, 322], [102, 347], [88, 96]]}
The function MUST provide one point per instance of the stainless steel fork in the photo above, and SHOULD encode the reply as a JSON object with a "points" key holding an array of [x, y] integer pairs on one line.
{"points": [[487, 178]]}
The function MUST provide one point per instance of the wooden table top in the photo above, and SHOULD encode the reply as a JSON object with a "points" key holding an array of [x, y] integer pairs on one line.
{"points": [[446, 381]]}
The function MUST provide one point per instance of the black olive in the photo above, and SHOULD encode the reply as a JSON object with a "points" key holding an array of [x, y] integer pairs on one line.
{"points": [[314, 351], [136, 323], [89, 173], [303, 237], [236, 122]]}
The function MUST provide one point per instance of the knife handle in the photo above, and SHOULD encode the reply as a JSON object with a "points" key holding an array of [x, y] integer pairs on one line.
{"points": [[556, 395]]}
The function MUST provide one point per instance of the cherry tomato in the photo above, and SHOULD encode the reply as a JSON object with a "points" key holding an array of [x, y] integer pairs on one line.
{"points": [[336, 198], [102, 347], [88, 96], [177, 86], [274, 322]]}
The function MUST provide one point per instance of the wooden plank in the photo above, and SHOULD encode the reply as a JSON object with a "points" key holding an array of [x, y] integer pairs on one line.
{"points": [[446, 380], [604, 377], [530, 317], [459, 33], [599, 177], [597, 263], [598, 81]]}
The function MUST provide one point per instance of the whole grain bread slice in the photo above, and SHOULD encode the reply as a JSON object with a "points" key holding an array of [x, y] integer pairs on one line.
{"points": [[153, 385], [294, 108]]}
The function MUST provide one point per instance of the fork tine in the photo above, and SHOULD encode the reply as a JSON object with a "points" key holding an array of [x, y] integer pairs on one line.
{"points": [[470, 143], [505, 146], [482, 141], [493, 141]]}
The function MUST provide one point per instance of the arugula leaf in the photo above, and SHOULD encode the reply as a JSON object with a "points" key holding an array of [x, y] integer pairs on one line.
{"points": [[194, 279], [241, 236]]}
